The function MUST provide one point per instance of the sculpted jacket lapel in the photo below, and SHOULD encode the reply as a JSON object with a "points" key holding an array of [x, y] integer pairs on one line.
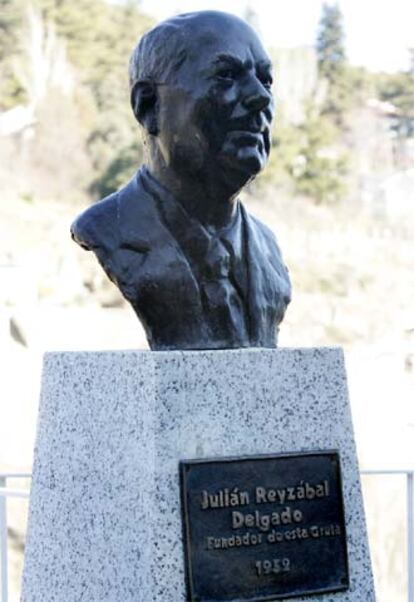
{"points": [[209, 262], [160, 272]]}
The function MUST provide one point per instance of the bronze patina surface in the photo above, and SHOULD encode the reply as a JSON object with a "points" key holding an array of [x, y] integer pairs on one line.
{"points": [[199, 271]]}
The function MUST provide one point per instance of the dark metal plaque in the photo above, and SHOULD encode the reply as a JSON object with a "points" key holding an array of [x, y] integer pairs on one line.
{"points": [[263, 528]]}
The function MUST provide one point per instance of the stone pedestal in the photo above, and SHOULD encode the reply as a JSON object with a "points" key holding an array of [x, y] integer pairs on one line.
{"points": [[105, 518]]}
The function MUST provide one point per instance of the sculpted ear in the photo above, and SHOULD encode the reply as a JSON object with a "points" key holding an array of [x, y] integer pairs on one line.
{"points": [[144, 102]]}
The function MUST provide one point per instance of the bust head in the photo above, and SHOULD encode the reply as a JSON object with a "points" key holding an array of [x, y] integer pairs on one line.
{"points": [[200, 88]]}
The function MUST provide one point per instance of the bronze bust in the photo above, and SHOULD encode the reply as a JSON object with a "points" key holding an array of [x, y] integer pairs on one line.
{"points": [[199, 271]]}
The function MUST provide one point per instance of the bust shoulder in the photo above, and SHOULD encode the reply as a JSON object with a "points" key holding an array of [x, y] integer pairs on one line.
{"points": [[265, 245], [264, 236], [115, 219]]}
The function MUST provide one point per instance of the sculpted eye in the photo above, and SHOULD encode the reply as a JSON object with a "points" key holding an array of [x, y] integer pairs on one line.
{"points": [[227, 74]]}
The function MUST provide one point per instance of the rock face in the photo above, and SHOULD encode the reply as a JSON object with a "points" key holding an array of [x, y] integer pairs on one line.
{"points": [[105, 517]]}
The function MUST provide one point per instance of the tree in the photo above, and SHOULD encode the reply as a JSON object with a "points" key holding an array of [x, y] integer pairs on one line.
{"points": [[320, 174], [308, 159], [118, 171], [398, 89], [11, 16], [332, 63], [100, 37], [95, 37], [330, 43]]}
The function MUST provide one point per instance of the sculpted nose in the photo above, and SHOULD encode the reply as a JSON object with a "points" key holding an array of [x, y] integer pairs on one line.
{"points": [[257, 97]]}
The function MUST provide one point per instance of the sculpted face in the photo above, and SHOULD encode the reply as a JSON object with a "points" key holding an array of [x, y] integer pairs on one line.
{"points": [[215, 111]]}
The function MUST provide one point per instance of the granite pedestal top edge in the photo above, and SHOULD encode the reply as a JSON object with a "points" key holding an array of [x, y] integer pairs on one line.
{"points": [[195, 352]]}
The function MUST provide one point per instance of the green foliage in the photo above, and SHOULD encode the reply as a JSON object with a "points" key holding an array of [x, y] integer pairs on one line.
{"points": [[11, 91], [398, 89], [330, 43], [89, 138], [310, 157], [332, 63], [98, 37], [321, 172], [361, 84], [323, 178], [286, 145], [119, 171], [401, 93], [11, 14], [314, 158]]}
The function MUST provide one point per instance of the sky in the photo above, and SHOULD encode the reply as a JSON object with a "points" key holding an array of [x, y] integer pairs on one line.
{"points": [[378, 32]]}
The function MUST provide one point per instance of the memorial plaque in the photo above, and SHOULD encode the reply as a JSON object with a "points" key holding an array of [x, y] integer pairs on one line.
{"points": [[264, 527]]}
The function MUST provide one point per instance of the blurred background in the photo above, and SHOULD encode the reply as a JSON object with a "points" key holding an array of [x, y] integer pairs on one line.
{"points": [[338, 192]]}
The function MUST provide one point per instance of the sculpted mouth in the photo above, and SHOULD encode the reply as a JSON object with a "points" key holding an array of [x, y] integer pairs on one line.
{"points": [[247, 136], [256, 123], [253, 137], [246, 146]]}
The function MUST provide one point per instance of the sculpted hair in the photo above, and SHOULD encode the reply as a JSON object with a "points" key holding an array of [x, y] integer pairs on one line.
{"points": [[160, 52]]}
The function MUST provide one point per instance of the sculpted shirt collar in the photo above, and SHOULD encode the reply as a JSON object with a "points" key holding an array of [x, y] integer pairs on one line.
{"points": [[216, 260]]}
